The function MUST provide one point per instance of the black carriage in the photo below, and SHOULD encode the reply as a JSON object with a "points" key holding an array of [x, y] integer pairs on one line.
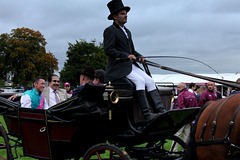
{"points": [[101, 123]]}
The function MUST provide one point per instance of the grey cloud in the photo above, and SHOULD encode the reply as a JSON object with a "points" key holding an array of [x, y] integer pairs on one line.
{"points": [[205, 30]]}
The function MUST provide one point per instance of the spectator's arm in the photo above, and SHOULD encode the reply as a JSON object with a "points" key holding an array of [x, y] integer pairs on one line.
{"points": [[180, 102], [13, 97]]}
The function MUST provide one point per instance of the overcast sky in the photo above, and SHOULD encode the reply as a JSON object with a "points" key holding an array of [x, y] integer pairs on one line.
{"points": [[206, 30]]}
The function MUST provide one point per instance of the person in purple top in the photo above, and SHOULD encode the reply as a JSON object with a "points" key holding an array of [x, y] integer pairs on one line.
{"points": [[208, 95], [185, 99]]}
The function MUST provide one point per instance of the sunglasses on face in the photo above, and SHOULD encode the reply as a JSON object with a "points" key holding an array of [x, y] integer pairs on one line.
{"points": [[67, 86], [55, 81]]}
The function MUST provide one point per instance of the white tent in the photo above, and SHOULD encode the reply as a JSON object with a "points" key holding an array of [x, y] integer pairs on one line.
{"points": [[172, 80], [177, 78]]}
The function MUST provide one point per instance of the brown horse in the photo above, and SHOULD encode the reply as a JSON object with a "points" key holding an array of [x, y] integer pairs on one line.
{"points": [[216, 133]]}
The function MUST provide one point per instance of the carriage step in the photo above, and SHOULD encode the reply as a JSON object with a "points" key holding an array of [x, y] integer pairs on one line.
{"points": [[127, 133]]}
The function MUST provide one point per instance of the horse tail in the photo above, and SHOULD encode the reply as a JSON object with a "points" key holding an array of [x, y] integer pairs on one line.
{"points": [[190, 152]]}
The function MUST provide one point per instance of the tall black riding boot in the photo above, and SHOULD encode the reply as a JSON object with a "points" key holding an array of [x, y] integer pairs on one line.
{"points": [[144, 105], [158, 105]]}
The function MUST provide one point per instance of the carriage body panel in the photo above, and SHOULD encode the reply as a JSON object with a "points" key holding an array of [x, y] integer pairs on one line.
{"points": [[12, 125], [34, 134]]}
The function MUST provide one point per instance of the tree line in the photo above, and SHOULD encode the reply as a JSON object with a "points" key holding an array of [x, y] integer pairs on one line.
{"points": [[23, 56]]}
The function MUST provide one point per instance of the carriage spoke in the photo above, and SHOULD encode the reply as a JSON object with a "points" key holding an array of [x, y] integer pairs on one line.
{"points": [[2, 146], [110, 155], [2, 158], [98, 155]]}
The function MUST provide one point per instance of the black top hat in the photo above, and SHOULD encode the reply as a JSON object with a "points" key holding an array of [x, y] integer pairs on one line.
{"points": [[99, 74], [114, 6], [88, 71]]}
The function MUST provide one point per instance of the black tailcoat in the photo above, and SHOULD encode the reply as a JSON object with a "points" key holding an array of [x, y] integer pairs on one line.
{"points": [[117, 45]]}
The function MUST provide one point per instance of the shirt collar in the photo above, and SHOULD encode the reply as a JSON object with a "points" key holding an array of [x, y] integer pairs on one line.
{"points": [[36, 92], [51, 90], [117, 26]]}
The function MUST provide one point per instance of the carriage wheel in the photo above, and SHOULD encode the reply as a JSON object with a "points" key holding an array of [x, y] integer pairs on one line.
{"points": [[106, 151], [5, 149]]}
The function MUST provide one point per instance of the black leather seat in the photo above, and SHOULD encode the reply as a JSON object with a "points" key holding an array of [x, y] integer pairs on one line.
{"points": [[86, 103], [123, 83], [124, 87]]}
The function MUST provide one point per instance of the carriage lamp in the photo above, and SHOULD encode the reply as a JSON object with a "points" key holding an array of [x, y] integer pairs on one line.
{"points": [[111, 95], [114, 97]]}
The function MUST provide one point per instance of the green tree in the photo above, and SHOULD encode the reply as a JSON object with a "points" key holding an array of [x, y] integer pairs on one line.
{"points": [[79, 55], [23, 56], [3, 56]]}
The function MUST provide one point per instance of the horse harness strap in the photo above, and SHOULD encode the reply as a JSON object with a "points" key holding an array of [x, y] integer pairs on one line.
{"points": [[215, 119], [205, 124], [226, 140]]}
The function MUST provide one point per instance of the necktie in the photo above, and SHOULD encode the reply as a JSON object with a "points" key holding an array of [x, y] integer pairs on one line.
{"points": [[56, 97]]}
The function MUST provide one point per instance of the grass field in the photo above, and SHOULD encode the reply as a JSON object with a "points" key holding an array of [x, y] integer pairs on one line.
{"points": [[20, 153]]}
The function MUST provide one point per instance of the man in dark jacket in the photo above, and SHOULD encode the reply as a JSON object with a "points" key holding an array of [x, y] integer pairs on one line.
{"points": [[118, 46], [86, 76], [234, 90]]}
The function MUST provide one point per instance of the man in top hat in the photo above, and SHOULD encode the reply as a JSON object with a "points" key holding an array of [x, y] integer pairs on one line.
{"points": [[86, 76], [99, 77], [118, 44]]}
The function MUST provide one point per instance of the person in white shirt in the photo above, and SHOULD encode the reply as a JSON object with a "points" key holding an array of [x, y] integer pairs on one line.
{"points": [[122, 56], [53, 93], [192, 87], [34, 98]]}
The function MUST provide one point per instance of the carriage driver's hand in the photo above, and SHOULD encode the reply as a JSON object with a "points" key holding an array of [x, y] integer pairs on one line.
{"points": [[131, 57], [142, 59]]}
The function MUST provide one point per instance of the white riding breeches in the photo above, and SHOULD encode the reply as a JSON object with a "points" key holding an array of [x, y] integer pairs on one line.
{"points": [[141, 79]]}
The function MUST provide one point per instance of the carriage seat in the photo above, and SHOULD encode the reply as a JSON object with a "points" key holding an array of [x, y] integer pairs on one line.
{"points": [[123, 83], [92, 92], [87, 103], [124, 87]]}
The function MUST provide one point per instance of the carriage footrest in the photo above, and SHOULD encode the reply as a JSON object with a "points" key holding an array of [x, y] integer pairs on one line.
{"points": [[127, 134], [152, 153]]}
